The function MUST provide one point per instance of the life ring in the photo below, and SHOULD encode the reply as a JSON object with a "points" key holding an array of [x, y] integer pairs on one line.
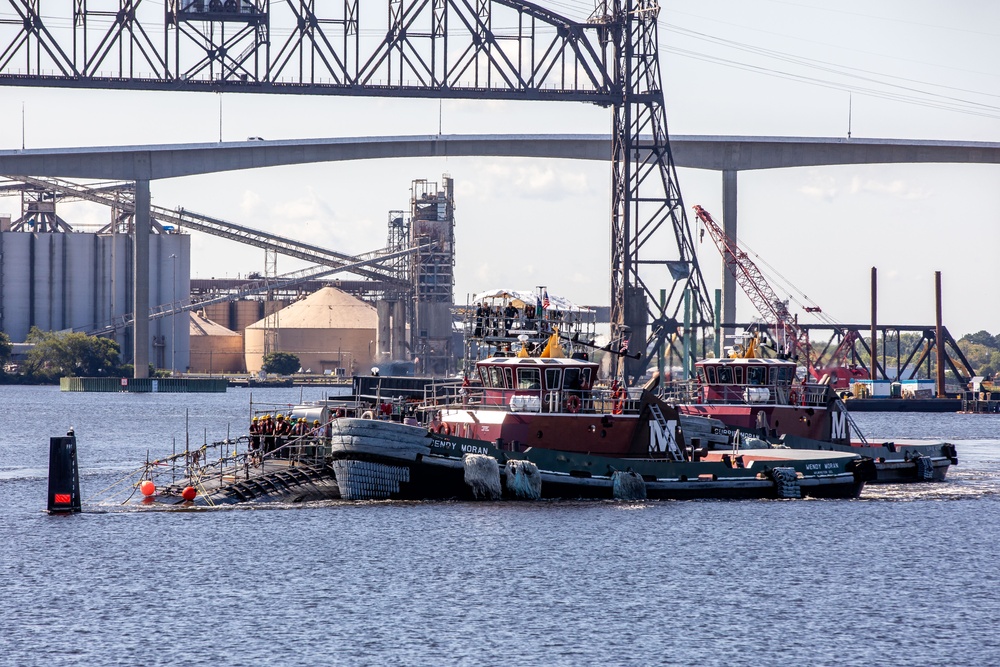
{"points": [[573, 404], [444, 428], [793, 397], [368, 414]]}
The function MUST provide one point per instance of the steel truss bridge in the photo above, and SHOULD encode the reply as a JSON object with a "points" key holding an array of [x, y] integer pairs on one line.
{"points": [[455, 49], [915, 357]]}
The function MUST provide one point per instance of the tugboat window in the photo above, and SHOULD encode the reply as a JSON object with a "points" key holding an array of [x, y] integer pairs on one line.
{"points": [[710, 372], [725, 375], [528, 378], [756, 374], [496, 377], [484, 376], [571, 379], [552, 378]]}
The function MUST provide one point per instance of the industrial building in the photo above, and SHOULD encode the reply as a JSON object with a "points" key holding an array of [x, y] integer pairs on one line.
{"points": [[330, 331], [214, 348], [58, 278]]}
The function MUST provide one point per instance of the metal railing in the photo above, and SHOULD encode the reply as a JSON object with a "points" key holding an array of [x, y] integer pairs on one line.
{"points": [[809, 395], [599, 400]]}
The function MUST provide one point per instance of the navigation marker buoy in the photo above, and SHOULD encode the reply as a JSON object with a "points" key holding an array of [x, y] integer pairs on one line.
{"points": [[147, 488], [64, 475], [189, 493]]}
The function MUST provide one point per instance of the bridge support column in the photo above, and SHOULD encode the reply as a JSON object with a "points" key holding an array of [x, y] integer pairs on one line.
{"points": [[729, 226], [140, 280], [398, 333], [383, 336]]}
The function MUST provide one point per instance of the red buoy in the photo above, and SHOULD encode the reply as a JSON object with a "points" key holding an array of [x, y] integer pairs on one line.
{"points": [[189, 493], [147, 488]]}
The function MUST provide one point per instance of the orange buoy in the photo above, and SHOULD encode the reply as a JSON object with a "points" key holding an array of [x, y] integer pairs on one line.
{"points": [[189, 493], [147, 488]]}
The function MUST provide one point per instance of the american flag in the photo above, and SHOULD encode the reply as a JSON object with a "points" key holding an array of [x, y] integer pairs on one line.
{"points": [[545, 298]]}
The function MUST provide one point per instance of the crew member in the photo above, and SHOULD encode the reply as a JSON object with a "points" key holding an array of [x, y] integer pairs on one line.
{"points": [[255, 433]]}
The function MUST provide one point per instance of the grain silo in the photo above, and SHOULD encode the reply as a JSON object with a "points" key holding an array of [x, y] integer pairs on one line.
{"points": [[82, 281], [214, 348], [330, 331]]}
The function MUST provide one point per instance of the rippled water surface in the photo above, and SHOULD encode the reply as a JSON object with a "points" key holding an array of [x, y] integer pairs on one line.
{"points": [[906, 575]]}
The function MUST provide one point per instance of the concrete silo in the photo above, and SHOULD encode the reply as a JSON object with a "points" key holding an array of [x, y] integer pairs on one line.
{"points": [[329, 330], [81, 281]]}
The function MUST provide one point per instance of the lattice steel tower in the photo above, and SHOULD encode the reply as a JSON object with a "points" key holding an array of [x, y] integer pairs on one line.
{"points": [[432, 226]]}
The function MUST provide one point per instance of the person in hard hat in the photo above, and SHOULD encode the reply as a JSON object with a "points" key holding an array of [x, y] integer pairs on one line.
{"points": [[268, 434], [255, 429]]}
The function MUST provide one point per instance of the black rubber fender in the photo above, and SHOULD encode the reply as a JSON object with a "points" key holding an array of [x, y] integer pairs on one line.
{"points": [[863, 469]]}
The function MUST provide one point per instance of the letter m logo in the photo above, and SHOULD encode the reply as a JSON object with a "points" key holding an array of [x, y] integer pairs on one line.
{"points": [[662, 439], [838, 425]]}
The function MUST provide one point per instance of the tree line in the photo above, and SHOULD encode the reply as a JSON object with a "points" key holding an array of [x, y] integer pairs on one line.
{"points": [[66, 354], [982, 349], [63, 354]]}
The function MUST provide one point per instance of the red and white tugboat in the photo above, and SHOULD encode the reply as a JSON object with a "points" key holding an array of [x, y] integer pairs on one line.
{"points": [[764, 398]]}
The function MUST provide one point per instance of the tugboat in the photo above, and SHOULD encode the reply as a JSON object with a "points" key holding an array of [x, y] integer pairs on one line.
{"points": [[763, 398], [535, 424]]}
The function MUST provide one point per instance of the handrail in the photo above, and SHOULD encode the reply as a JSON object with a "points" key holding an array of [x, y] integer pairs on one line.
{"points": [[455, 395], [810, 395]]}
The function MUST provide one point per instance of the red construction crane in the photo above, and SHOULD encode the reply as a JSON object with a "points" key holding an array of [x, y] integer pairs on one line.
{"points": [[794, 339]]}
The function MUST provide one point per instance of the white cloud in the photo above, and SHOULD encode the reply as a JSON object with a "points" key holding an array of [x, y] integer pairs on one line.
{"points": [[529, 181], [828, 188], [250, 204], [897, 188], [824, 191]]}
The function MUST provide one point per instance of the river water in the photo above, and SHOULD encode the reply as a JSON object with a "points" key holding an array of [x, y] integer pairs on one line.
{"points": [[905, 575]]}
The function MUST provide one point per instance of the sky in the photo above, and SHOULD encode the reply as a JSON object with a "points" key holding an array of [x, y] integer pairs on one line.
{"points": [[916, 69]]}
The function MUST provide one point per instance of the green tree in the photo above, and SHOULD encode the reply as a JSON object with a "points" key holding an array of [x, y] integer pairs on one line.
{"points": [[55, 355], [282, 363], [982, 338], [6, 348]]}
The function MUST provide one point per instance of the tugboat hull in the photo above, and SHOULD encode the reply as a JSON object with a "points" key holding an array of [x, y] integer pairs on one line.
{"points": [[895, 462], [380, 459]]}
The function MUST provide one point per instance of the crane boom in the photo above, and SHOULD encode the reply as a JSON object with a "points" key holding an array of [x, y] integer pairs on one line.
{"points": [[753, 283]]}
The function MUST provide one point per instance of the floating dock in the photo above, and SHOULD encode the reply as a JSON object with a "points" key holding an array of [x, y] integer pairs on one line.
{"points": [[981, 402], [904, 404], [146, 385]]}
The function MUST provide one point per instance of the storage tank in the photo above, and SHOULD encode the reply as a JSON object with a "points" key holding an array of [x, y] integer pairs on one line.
{"points": [[328, 330], [83, 281]]}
